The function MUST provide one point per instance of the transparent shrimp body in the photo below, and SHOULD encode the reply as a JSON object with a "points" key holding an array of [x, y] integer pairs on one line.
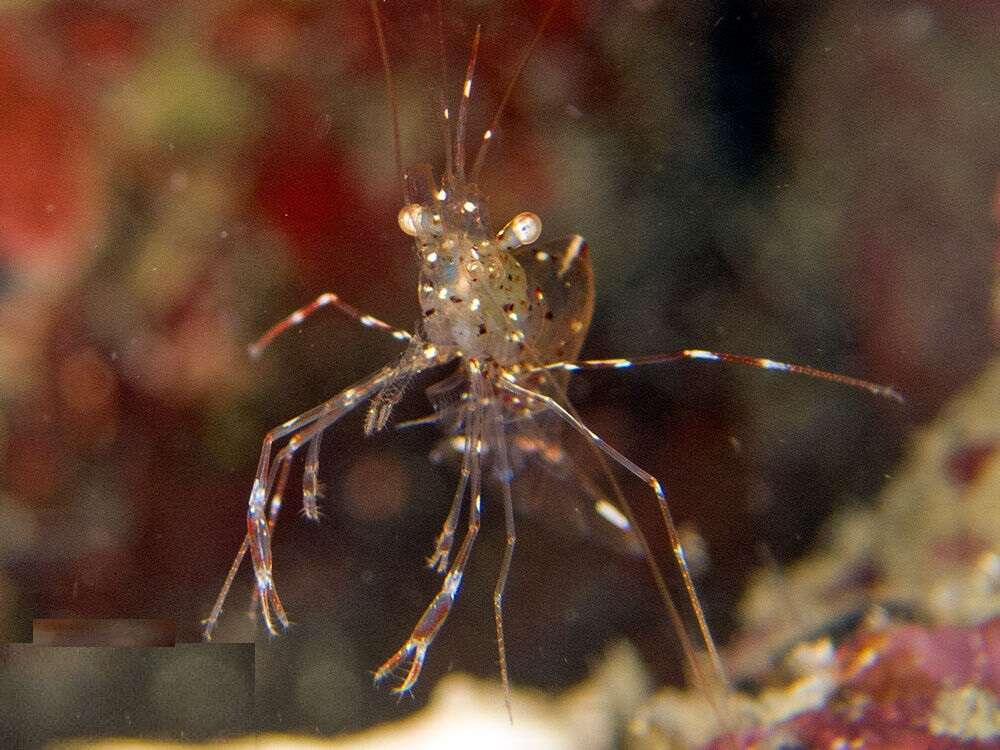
{"points": [[512, 314], [473, 293]]}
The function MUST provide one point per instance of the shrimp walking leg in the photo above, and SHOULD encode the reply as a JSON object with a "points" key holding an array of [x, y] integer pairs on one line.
{"points": [[739, 359], [414, 650], [446, 538], [278, 478], [261, 518], [505, 474], [666, 516], [327, 299], [311, 489], [209, 623]]}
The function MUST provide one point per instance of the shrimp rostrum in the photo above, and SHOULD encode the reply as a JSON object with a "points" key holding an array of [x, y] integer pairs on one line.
{"points": [[509, 314]]}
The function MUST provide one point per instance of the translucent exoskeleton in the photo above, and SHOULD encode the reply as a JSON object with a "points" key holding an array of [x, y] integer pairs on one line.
{"points": [[509, 314]]}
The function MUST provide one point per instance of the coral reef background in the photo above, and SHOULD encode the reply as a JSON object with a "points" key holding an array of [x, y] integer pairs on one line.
{"points": [[810, 184], [888, 635]]}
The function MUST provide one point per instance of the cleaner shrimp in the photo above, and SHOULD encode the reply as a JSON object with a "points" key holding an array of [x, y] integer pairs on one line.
{"points": [[509, 313]]}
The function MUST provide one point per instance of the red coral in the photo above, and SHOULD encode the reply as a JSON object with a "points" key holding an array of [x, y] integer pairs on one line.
{"points": [[49, 176]]}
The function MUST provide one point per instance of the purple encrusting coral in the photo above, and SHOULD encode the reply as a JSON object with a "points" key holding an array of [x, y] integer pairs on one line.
{"points": [[904, 687], [929, 552]]}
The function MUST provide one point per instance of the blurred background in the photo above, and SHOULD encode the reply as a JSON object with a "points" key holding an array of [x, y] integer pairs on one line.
{"points": [[814, 183]]}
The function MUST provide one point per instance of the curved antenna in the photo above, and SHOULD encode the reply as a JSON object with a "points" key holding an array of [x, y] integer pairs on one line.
{"points": [[442, 102], [488, 135], [390, 85], [463, 110]]}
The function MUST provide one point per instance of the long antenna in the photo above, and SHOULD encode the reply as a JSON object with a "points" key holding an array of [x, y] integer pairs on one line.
{"points": [[442, 101], [491, 131], [463, 109], [390, 85]]}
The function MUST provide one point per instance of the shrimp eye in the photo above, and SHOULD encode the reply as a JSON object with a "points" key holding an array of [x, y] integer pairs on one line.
{"points": [[411, 219], [523, 229]]}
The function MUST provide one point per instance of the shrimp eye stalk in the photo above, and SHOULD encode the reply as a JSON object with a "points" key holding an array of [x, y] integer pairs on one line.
{"points": [[522, 230]]}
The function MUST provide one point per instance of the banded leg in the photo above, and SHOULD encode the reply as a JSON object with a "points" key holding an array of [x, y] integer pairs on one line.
{"points": [[665, 514], [740, 359], [505, 475], [260, 541], [278, 478], [261, 519], [414, 650], [209, 623], [327, 299], [460, 443], [312, 490], [446, 538]]}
